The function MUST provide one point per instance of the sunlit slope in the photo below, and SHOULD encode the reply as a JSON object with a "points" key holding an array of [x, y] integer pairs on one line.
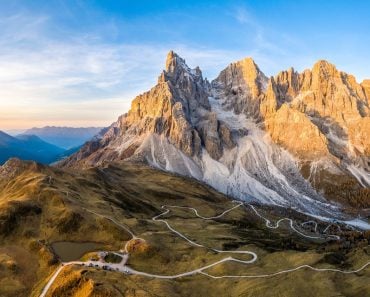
{"points": [[40, 205]]}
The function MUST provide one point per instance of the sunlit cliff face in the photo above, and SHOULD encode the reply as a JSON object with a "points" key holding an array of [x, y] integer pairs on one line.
{"points": [[289, 140]]}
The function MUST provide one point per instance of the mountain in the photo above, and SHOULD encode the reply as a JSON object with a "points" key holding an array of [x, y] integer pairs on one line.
{"points": [[14, 132], [64, 137], [27, 147], [297, 140]]}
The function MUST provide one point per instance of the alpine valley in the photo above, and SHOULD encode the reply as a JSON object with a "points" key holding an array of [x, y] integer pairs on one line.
{"points": [[242, 186]]}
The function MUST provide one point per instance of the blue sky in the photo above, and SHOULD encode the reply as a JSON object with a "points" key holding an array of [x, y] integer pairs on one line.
{"points": [[80, 63]]}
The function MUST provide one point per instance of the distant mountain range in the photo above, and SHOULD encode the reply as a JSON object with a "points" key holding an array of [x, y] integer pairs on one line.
{"points": [[44, 145], [64, 137], [14, 132], [28, 147]]}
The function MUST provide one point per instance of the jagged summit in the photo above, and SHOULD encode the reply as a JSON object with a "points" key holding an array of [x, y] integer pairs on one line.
{"points": [[294, 140], [242, 84], [248, 65], [324, 65], [176, 67], [244, 74], [174, 61], [171, 56]]}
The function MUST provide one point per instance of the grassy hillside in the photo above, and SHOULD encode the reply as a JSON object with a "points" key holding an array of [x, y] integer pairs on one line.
{"points": [[40, 205]]}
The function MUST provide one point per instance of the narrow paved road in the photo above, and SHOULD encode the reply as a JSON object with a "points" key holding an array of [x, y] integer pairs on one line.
{"points": [[53, 278], [290, 270], [122, 267], [291, 223]]}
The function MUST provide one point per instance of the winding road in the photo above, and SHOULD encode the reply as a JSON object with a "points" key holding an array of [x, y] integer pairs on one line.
{"points": [[291, 223], [290, 270], [122, 267]]}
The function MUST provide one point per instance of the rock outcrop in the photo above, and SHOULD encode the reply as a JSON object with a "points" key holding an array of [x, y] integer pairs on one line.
{"points": [[292, 129], [243, 84], [177, 108]]}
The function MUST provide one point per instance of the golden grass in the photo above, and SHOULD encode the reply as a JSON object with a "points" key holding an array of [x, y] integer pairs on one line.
{"points": [[49, 205]]}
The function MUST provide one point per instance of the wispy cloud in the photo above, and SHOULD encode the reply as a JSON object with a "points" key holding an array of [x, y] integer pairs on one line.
{"points": [[262, 39], [85, 78], [45, 79]]}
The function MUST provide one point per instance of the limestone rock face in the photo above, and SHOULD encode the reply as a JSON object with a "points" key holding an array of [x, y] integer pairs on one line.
{"points": [[270, 101], [287, 85], [332, 94], [322, 114], [294, 131], [292, 140], [366, 88], [329, 99], [176, 108], [242, 84]]}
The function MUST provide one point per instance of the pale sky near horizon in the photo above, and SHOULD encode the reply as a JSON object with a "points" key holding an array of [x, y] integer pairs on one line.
{"points": [[81, 62]]}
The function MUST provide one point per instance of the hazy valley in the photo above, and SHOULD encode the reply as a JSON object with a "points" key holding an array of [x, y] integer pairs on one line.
{"points": [[45, 145]]}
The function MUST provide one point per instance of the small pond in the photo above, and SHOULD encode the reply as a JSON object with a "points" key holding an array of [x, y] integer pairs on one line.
{"points": [[72, 251]]}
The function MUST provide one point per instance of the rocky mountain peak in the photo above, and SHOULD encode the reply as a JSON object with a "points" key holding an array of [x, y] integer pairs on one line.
{"points": [[324, 69], [334, 93], [171, 55], [245, 134], [244, 74], [174, 61], [176, 65], [287, 85], [248, 65], [242, 84], [186, 85], [324, 74]]}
